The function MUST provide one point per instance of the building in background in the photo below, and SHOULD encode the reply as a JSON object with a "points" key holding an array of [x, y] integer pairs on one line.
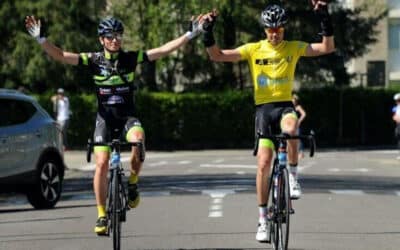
{"points": [[381, 66]]}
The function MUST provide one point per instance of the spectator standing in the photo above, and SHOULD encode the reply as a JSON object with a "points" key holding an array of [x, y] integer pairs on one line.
{"points": [[301, 114], [396, 119], [62, 113]]}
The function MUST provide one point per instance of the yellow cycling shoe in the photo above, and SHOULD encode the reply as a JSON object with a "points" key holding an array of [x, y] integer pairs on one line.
{"points": [[101, 226], [133, 196]]}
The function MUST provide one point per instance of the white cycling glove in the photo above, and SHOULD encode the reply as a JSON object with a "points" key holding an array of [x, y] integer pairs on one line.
{"points": [[34, 31], [195, 29]]}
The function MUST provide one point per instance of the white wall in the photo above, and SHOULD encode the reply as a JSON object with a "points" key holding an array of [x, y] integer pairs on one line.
{"points": [[395, 4]]}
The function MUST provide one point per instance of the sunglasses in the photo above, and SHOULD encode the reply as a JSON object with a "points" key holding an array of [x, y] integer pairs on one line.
{"points": [[274, 30], [111, 37]]}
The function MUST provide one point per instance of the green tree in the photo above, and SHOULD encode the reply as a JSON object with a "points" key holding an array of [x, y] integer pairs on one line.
{"points": [[70, 25], [150, 23]]}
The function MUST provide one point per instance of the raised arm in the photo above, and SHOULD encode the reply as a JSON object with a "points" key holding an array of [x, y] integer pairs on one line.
{"points": [[327, 45], [33, 26], [218, 55], [167, 48], [215, 53], [194, 30]]}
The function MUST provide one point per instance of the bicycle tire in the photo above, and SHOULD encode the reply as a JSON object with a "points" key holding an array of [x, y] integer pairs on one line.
{"points": [[272, 209], [116, 208], [283, 219]]}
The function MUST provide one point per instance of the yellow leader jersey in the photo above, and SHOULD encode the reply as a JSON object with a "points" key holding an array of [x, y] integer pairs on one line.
{"points": [[272, 68]]}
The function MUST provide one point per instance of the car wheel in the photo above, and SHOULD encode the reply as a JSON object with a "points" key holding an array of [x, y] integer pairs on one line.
{"points": [[46, 190]]}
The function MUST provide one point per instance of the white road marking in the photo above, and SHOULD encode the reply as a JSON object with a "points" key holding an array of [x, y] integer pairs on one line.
{"points": [[92, 166], [362, 170], [347, 192], [217, 200], [216, 206], [155, 193], [228, 166], [184, 162], [303, 167], [215, 214], [159, 163]]}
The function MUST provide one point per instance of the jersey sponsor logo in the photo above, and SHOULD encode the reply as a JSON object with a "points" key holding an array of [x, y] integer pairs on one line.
{"points": [[268, 61], [98, 138], [104, 71], [137, 123], [115, 99], [275, 61], [122, 89], [105, 91], [263, 80]]}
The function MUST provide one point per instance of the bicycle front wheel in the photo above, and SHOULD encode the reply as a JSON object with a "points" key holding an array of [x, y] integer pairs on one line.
{"points": [[283, 218], [116, 209]]}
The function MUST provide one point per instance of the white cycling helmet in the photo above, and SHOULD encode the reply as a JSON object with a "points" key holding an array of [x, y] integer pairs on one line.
{"points": [[396, 97]]}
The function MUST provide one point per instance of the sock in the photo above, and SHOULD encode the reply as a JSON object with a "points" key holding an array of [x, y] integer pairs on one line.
{"points": [[262, 209], [133, 179], [293, 170], [101, 211]]}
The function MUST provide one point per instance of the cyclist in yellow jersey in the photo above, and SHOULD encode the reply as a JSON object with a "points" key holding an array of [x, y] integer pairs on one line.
{"points": [[272, 66]]}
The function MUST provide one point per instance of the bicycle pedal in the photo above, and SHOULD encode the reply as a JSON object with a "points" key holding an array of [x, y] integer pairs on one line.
{"points": [[291, 211]]}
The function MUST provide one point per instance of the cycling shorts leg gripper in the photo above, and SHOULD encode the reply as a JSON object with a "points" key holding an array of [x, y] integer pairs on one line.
{"points": [[102, 149], [266, 143], [288, 115], [133, 130]]}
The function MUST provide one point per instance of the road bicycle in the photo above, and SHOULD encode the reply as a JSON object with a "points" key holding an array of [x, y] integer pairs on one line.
{"points": [[279, 204], [117, 200]]}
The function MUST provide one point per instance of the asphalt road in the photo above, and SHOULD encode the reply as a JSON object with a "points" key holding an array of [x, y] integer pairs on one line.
{"points": [[206, 200]]}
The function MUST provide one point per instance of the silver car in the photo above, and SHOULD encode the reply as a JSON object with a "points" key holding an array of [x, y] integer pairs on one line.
{"points": [[31, 155]]}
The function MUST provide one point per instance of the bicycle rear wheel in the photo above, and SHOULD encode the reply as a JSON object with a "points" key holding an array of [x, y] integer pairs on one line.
{"points": [[116, 208], [272, 209], [283, 216]]}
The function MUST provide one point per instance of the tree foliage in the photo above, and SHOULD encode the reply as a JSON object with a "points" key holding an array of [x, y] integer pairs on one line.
{"points": [[72, 26]]}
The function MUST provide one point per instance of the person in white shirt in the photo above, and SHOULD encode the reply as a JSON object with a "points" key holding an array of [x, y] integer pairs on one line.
{"points": [[62, 112], [396, 119]]}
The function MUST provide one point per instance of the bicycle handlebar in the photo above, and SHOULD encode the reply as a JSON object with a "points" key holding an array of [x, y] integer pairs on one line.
{"points": [[284, 136], [111, 144]]}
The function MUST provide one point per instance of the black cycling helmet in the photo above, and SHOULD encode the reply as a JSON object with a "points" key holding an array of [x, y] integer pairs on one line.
{"points": [[274, 16], [110, 25]]}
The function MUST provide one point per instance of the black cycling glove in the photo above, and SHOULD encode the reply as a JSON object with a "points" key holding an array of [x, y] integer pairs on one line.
{"points": [[325, 19], [208, 37]]}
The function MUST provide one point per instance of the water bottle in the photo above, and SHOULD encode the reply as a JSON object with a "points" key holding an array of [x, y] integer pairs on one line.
{"points": [[115, 159], [282, 158]]}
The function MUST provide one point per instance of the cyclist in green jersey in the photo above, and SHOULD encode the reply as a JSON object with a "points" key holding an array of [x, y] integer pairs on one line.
{"points": [[113, 73], [272, 65]]}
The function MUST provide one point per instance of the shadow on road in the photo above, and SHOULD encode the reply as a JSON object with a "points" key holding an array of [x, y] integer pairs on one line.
{"points": [[190, 184]]}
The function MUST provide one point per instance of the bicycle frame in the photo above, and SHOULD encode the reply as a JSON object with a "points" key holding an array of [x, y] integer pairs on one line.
{"points": [[117, 204], [279, 203]]}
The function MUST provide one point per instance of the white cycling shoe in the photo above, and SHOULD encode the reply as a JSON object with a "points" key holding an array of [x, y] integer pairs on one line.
{"points": [[295, 189], [262, 232]]}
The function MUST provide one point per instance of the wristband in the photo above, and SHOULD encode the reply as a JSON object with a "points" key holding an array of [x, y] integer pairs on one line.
{"points": [[208, 39], [41, 40], [326, 23], [190, 35]]}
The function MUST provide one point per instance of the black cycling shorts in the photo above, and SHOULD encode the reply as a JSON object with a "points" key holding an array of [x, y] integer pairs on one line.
{"points": [[106, 131], [269, 115]]}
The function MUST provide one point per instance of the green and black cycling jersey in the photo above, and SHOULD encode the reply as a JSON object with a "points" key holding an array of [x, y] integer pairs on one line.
{"points": [[113, 75]]}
